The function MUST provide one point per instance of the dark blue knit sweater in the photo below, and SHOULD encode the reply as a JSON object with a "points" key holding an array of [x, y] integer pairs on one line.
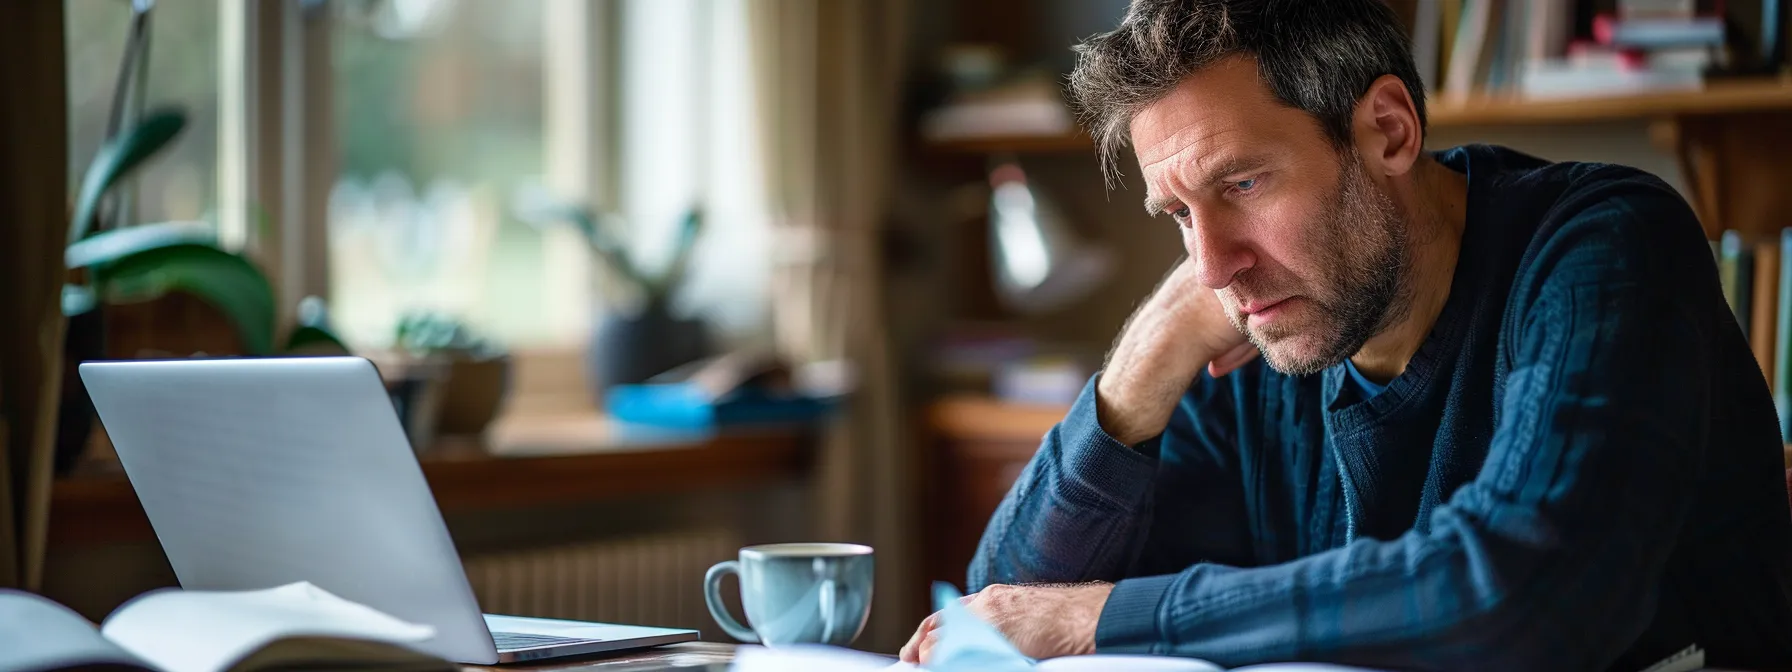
{"points": [[1580, 469]]}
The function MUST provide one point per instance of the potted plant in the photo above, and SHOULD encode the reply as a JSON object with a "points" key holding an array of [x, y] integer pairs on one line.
{"points": [[145, 262], [474, 372], [113, 262], [640, 336]]}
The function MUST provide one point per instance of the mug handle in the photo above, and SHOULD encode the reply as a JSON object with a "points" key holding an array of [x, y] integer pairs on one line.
{"points": [[712, 584], [827, 599]]}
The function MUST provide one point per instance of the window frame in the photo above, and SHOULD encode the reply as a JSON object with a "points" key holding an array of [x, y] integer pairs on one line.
{"points": [[288, 142]]}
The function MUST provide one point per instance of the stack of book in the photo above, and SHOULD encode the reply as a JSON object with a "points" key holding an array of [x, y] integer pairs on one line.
{"points": [[1758, 286], [1557, 48]]}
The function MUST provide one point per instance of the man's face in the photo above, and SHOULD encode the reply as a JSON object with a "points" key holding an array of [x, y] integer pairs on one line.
{"points": [[1307, 253]]}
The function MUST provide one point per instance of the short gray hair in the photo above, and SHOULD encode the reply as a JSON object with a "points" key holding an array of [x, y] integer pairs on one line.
{"points": [[1318, 56]]}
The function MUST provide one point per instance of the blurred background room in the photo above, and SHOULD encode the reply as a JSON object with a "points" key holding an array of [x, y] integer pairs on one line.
{"points": [[651, 280]]}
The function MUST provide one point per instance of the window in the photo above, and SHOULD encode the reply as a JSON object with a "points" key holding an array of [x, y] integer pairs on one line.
{"points": [[438, 119], [688, 137], [441, 115], [182, 69], [447, 112]]}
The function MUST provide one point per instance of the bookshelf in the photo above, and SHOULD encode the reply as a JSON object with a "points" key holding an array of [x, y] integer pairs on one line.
{"points": [[1732, 138], [1719, 99]]}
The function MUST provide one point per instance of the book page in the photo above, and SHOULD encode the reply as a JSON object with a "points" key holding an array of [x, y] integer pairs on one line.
{"points": [[207, 631], [1123, 663], [37, 634], [805, 658]]}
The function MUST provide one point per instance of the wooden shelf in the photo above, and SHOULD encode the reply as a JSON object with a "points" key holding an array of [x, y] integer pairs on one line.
{"points": [[1717, 98], [1016, 144], [530, 463], [980, 418]]}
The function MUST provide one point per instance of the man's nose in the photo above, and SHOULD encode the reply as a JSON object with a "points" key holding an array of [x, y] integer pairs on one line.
{"points": [[1219, 254]]}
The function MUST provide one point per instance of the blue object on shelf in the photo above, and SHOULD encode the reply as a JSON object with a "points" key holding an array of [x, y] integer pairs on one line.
{"points": [[685, 405]]}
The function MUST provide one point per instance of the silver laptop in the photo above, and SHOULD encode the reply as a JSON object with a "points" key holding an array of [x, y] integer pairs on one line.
{"points": [[260, 472]]}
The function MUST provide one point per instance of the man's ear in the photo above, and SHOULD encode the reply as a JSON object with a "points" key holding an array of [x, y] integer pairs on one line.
{"points": [[1386, 126]]}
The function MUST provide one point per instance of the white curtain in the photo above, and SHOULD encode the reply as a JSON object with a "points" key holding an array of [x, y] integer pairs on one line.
{"points": [[827, 76]]}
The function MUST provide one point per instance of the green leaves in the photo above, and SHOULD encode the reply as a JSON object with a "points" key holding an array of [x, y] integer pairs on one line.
{"points": [[688, 228], [230, 282], [307, 339], [604, 233], [117, 159], [425, 332], [107, 247], [146, 262], [78, 299]]}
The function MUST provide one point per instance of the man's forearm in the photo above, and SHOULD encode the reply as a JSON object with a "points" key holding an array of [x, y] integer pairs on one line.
{"points": [[1418, 602], [1179, 331], [1079, 511]]}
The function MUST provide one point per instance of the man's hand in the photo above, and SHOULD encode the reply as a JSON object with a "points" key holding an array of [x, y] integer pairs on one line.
{"points": [[1182, 328], [1041, 621]]}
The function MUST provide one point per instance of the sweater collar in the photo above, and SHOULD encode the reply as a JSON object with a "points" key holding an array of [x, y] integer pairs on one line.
{"points": [[1445, 338]]}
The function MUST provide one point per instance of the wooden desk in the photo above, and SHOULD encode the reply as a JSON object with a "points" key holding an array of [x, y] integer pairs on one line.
{"points": [[687, 656], [525, 462]]}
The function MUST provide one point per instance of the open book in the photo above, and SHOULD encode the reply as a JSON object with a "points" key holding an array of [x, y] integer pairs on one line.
{"points": [[292, 627], [805, 658], [968, 644]]}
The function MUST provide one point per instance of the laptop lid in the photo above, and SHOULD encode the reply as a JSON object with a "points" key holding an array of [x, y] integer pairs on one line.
{"points": [[259, 472]]}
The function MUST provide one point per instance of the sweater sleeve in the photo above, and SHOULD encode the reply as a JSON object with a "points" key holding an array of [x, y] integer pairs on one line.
{"points": [[1082, 509], [1550, 558]]}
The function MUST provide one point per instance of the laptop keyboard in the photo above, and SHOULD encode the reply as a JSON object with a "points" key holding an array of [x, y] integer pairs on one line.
{"points": [[513, 641]]}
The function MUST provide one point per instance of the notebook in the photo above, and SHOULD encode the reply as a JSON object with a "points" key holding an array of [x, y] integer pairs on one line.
{"points": [[295, 626]]}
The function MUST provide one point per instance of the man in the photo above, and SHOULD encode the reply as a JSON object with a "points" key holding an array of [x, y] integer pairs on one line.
{"points": [[1502, 417]]}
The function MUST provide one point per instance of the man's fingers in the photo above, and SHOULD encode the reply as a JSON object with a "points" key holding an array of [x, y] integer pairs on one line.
{"points": [[1234, 358], [911, 652], [925, 650], [1237, 357]]}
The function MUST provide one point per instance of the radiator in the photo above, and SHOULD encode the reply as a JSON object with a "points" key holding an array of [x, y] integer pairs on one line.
{"points": [[653, 579]]}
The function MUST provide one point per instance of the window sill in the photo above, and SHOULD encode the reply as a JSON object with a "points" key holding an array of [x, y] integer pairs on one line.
{"points": [[525, 460]]}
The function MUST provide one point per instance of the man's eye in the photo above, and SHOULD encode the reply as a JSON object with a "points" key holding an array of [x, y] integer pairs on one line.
{"points": [[1245, 185], [1180, 215]]}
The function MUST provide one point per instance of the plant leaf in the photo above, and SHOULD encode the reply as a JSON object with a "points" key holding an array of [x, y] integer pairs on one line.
{"points": [[605, 243], [311, 333], [688, 228], [106, 247], [309, 339], [227, 281], [77, 300], [117, 158]]}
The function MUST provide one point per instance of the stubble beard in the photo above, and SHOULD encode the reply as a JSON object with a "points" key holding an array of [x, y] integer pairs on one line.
{"points": [[1366, 287]]}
